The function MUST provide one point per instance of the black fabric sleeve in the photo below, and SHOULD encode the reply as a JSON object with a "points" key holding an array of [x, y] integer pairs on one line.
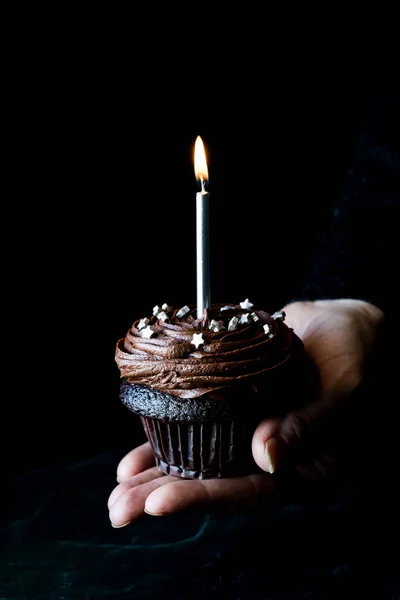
{"points": [[358, 255]]}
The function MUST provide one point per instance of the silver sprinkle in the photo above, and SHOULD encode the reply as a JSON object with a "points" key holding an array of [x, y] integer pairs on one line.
{"points": [[216, 325], [279, 315], [183, 311]]}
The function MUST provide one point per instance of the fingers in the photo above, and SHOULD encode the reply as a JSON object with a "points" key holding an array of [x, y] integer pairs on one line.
{"points": [[210, 494], [158, 495], [264, 445], [294, 440], [129, 498], [138, 460], [276, 442], [317, 470], [134, 481], [143, 488]]}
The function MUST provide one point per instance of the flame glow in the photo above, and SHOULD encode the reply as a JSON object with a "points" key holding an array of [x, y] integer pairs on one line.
{"points": [[200, 162]]}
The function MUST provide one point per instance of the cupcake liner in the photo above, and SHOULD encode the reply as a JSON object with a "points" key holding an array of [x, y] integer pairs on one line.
{"points": [[200, 450]]}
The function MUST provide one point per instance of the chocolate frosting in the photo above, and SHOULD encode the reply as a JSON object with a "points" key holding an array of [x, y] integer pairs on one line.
{"points": [[170, 362]]}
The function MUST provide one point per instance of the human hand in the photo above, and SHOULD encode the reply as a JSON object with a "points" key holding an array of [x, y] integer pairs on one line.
{"points": [[338, 336]]}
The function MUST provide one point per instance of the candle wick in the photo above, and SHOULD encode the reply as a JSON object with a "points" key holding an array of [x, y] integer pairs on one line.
{"points": [[203, 185]]}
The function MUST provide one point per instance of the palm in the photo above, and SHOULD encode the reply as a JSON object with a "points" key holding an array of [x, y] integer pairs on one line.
{"points": [[337, 337], [144, 488]]}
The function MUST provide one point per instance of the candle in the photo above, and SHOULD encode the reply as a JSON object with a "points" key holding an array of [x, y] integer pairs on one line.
{"points": [[202, 230]]}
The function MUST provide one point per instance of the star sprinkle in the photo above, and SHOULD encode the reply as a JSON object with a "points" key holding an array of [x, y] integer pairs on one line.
{"points": [[143, 323], [197, 340], [247, 305], [161, 313], [156, 310], [162, 316], [245, 319], [279, 315], [216, 325]]}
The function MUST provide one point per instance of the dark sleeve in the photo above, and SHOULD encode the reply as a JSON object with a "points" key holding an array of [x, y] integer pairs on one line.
{"points": [[358, 255]]}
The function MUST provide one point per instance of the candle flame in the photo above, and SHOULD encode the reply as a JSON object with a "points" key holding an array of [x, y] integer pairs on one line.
{"points": [[200, 162]]}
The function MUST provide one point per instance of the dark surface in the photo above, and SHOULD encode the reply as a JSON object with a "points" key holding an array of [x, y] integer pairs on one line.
{"points": [[57, 542]]}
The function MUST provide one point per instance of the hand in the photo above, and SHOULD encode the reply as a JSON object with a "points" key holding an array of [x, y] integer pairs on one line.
{"points": [[338, 336]]}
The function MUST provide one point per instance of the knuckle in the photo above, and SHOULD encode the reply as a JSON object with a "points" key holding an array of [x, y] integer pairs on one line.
{"points": [[295, 427]]}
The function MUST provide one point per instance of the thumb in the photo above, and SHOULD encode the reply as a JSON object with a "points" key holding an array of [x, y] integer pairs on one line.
{"points": [[276, 442]]}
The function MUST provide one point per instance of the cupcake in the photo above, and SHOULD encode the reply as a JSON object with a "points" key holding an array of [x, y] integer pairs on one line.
{"points": [[201, 386]]}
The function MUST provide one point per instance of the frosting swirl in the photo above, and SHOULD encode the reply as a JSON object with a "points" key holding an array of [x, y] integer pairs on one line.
{"points": [[172, 360]]}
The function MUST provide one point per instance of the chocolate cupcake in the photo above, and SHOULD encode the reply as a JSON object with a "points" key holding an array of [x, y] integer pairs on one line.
{"points": [[201, 386]]}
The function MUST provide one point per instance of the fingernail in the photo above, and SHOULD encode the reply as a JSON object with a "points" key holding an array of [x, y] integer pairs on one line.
{"points": [[270, 458], [159, 514], [119, 526], [118, 479]]}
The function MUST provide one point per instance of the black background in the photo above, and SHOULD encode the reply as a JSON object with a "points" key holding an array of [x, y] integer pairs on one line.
{"points": [[99, 226], [101, 221]]}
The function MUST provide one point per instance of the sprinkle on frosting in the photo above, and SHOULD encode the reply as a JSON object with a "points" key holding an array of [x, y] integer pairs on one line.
{"points": [[245, 319], [197, 340], [233, 323], [183, 311], [143, 323], [190, 357], [148, 332], [246, 304], [162, 315], [279, 315], [216, 325]]}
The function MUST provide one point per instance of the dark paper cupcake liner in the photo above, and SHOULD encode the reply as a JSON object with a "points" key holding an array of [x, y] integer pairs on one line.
{"points": [[200, 450]]}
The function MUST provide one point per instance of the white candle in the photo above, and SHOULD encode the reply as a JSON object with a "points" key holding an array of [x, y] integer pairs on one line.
{"points": [[202, 230]]}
